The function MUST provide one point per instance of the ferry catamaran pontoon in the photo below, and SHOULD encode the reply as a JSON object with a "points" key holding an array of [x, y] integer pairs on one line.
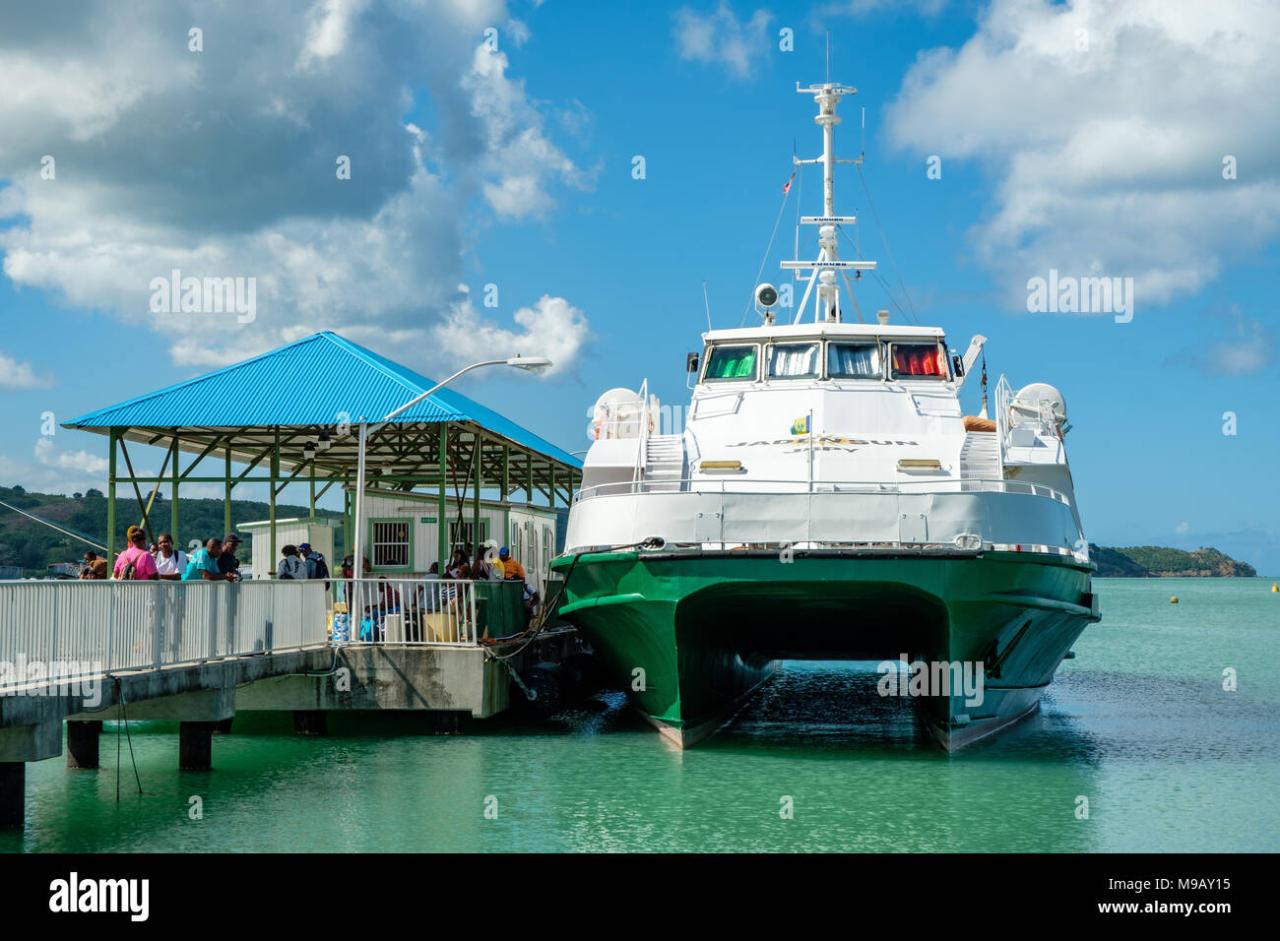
{"points": [[828, 499]]}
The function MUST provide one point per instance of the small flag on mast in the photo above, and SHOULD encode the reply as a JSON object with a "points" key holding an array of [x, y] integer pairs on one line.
{"points": [[787, 186]]}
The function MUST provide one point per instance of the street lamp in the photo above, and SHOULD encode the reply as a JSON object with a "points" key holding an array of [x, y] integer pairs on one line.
{"points": [[367, 430]]}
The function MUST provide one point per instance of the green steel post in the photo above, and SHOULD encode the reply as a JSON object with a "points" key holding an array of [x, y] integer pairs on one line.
{"points": [[111, 501], [226, 499], [271, 512], [475, 506], [173, 497], [442, 507]]}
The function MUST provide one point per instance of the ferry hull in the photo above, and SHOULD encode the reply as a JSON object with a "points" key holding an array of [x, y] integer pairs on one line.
{"points": [[692, 636]]}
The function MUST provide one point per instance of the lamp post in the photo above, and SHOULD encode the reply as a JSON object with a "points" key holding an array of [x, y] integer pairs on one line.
{"points": [[367, 430]]}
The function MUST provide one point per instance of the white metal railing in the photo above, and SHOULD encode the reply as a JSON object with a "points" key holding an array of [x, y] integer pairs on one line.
{"points": [[771, 487], [956, 514], [410, 610], [81, 628]]}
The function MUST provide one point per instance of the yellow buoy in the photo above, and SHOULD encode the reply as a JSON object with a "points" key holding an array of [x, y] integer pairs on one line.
{"points": [[1173, 600], [1275, 586]]}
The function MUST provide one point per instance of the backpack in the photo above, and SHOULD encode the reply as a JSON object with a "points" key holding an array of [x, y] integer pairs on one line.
{"points": [[130, 571], [322, 567]]}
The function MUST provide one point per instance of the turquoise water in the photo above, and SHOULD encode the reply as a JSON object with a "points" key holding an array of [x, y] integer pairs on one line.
{"points": [[1138, 724]]}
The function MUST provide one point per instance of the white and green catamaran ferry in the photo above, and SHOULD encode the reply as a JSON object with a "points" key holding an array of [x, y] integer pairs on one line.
{"points": [[828, 499]]}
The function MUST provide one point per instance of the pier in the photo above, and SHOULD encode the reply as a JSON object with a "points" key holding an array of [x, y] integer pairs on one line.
{"points": [[81, 653], [437, 472]]}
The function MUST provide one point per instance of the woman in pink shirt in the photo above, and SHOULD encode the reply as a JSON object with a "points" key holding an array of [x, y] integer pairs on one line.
{"points": [[136, 560]]}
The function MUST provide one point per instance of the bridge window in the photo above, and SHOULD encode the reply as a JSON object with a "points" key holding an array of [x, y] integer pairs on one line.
{"points": [[793, 361], [853, 361], [389, 543], [731, 362], [919, 361]]}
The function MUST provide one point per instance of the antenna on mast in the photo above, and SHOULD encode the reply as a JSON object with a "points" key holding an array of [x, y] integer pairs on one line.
{"points": [[822, 271], [707, 303]]}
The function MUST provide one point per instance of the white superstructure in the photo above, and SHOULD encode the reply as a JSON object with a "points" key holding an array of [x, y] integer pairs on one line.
{"points": [[824, 433]]}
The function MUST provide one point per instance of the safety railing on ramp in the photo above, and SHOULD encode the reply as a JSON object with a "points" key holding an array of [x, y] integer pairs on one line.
{"points": [[65, 629]]}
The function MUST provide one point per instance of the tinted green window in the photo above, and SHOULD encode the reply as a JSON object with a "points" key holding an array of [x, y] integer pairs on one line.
{"points": [[731, 362]]}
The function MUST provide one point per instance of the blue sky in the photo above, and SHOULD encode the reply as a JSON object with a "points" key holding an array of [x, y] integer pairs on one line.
{"points": [[513, 166]]}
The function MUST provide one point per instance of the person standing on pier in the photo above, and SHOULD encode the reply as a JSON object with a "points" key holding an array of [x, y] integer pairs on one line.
{"points": [[228, 564], [511, 567], [292, 567], [170, 562], [203, 564], [95, 566], [317, 567], [136, 563]]}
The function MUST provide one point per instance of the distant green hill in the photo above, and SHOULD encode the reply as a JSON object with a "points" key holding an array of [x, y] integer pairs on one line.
{"points": [[1163, 562], [32, 547]]}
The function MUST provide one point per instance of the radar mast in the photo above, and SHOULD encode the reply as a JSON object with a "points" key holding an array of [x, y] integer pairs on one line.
{"points": [[823, 269]]}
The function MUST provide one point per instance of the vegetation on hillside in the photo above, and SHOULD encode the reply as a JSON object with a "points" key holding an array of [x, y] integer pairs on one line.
{"points": [[1163, 562]]}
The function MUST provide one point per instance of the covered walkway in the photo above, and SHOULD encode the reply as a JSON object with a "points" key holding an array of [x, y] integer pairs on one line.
{"points": [[290, 417]]}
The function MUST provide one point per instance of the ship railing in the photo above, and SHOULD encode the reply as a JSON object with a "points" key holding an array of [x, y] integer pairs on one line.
{"points": [[73, 629], [770, 487], [407, 610], [642, 451], [1004, 398]]}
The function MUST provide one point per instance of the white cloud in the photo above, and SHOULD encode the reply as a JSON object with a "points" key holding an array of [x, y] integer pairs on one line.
{"points": [[81, 462], [1182, 528], [928, 8], [1234, 345], [34, 476], [720, 38], [552, 327], [222, 164], [519, 32], [1106, 125], [519, 157], [330, 24], [16, 375]]}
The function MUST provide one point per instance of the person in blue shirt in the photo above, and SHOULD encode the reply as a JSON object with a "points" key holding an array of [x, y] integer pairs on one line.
{"points": [[317, 567], [203, 564]]}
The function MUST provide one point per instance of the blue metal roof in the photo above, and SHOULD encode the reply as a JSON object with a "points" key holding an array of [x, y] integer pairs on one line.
{"points": [[313, 381]]}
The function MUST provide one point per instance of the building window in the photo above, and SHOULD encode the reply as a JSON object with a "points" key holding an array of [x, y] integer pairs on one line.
{"points": [[389, 544], [463, 534], [547, 551]]}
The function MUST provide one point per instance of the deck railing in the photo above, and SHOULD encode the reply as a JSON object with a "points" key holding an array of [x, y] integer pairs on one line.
{"points": [[409, 610], [70, 629], [751, 485]]}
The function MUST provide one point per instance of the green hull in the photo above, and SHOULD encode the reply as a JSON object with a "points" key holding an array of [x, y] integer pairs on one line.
{"points": [[691, 636]]}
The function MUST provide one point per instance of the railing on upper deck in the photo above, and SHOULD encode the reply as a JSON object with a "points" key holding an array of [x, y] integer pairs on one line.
{"points": [[1004, 398], [724, 514], [769, 487]]}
